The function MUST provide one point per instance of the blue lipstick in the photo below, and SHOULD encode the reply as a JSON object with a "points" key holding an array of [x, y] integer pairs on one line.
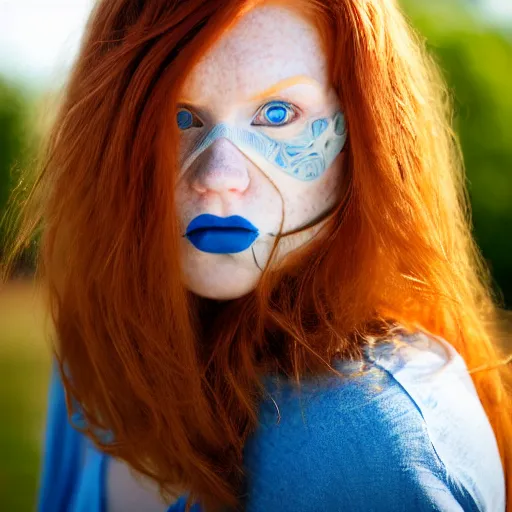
{"points": [[221, 235]]}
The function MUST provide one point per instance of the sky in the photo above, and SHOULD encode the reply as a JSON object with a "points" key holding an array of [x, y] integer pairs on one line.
{"points": [[39, 38]]}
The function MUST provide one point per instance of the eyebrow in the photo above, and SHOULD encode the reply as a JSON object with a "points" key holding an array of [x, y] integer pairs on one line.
{"points": [[273, 89], [284, 84]]}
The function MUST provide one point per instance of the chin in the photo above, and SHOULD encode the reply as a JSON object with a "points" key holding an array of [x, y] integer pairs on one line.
{"points": [[222, 286]]}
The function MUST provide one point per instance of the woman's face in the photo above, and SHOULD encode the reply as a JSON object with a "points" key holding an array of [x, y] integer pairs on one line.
{"points": [[261, 132]]}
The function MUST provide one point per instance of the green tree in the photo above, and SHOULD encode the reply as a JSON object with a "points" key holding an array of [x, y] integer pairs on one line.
{"points": [[476, 59], [12, 135], [17, 143], [13, 138]]}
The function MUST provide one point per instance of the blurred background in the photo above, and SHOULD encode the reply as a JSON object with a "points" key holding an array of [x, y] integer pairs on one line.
{"points": [[472, 41]]}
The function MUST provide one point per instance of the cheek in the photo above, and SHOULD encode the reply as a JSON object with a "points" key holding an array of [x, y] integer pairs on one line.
{"points": [[183, 200], [305, 201]]}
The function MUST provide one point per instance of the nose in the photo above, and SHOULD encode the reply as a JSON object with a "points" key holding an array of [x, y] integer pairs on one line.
{"points": [[222, 169]]}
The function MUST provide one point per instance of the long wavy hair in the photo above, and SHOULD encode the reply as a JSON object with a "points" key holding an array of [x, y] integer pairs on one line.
{"points": [[176, 379]]}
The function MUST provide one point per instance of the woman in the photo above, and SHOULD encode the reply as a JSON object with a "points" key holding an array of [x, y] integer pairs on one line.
{"points": [[264, 288]]}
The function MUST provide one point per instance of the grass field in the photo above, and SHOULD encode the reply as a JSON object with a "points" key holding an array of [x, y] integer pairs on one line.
{"points": [[24, 371]]}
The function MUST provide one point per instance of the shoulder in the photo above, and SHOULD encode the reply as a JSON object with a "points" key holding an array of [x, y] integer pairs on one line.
{"points": [[402, 430], [435, 378]]}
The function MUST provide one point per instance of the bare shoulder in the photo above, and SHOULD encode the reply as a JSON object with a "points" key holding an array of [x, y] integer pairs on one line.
{"points": [[127, 490]]}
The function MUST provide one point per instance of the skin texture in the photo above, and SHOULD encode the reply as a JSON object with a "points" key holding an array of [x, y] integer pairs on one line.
{"points": [[230, 84]]}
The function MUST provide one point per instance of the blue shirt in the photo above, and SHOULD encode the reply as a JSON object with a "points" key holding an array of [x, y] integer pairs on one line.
{"points": [[403, 430]]}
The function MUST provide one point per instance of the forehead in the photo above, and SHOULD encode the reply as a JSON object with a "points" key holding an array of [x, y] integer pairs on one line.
{"points": [[268, 45]]}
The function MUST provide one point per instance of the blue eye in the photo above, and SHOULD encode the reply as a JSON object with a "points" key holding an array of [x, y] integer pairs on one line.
{"points": [[275, 113], [186, 119]]}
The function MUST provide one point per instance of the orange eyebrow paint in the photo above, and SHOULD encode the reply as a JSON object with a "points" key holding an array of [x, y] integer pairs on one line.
{"points": [[284, 84], [272, 90]]}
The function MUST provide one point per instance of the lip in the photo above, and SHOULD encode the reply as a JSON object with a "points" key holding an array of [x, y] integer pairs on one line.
{"points": [[221, 235]]}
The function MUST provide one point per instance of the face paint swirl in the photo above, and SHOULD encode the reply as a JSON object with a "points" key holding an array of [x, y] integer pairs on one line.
{"points": [[305, 157]]}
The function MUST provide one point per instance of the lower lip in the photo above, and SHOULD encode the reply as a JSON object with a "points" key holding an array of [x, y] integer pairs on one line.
{"points": [[222, 240]]}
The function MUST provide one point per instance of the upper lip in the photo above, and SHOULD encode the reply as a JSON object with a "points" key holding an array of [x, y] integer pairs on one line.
{"points": [[208, 221]]}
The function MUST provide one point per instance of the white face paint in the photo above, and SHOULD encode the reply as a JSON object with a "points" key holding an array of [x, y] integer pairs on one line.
{"points": [[261, 131]]}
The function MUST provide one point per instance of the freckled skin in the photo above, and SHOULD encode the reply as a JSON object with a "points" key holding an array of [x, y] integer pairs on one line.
{"points": [[268, 45]]}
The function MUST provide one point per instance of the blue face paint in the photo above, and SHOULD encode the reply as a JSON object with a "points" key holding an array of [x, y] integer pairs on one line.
{"points": [[305, 157]]}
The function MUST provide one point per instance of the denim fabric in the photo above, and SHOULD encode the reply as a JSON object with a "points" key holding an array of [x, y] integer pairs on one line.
{"points": [[403, 430], [73, 470]]}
